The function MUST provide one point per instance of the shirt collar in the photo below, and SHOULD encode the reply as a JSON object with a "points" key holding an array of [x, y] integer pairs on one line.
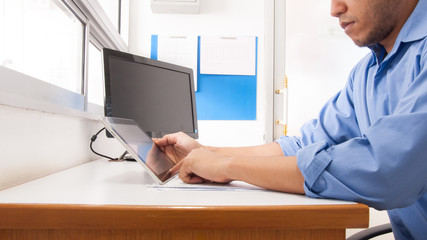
{"points": [[414, 29], [379, 52]]}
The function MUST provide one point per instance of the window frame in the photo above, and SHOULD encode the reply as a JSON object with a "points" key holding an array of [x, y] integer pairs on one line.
{"points": [[101, 26], [23, 91], [92, 107]]}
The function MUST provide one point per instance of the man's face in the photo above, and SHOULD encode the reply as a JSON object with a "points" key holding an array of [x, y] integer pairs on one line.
{"points": [[366, 22]]}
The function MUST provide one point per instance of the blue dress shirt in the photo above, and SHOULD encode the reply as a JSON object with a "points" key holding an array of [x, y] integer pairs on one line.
{"points": [[369, 143]]}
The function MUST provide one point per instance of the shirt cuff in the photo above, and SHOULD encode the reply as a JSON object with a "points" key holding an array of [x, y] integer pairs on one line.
{"points": [[312, 161], [289, 145]]}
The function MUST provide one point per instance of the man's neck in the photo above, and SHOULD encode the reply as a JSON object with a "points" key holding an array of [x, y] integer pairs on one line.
{"points": [[405, 10]]}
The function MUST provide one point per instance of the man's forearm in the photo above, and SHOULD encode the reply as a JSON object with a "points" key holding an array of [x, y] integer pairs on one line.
{"points": [[266, 150], [275, 173]]}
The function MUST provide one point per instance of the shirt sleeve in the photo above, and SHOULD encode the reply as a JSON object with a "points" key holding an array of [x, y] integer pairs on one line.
{"points": [[384, 168], [336, 123]]}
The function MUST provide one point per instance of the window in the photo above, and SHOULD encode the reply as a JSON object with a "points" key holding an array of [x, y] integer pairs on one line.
{"points": [[50, 53], [43, 39], [95, 79], [112, 9], [117, 12], [124, 20]]}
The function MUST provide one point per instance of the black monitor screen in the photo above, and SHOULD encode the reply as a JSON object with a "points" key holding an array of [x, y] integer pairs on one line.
{"points": [[157, 95]]}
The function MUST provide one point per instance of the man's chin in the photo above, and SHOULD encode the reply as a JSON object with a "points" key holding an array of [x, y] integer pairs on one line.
{"points": [[360, 43]]}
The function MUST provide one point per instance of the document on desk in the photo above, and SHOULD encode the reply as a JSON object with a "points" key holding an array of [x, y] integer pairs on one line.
{"points": [[178, 185]]}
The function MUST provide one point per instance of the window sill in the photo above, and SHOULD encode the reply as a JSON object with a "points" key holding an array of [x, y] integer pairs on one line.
{"points": [[25, 92]]}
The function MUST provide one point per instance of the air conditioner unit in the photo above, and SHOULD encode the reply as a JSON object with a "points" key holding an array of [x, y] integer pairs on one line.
{"points": [[175, 6]]}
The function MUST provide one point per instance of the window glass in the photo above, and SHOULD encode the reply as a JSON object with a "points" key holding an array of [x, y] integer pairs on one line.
{"points": [[95, 76], [43, 39], [124, 21], [111, 8], [2, 18]]}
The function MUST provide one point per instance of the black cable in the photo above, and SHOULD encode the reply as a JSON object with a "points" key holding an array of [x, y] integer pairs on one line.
{"points": [[92, 139]]}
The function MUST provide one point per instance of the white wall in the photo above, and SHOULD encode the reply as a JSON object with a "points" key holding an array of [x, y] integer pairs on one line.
{"points": [[34, 144], [216, 18], [319, 57]]}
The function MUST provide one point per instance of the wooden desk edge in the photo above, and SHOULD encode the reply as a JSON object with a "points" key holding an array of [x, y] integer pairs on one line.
{"points": [[74, 216]]}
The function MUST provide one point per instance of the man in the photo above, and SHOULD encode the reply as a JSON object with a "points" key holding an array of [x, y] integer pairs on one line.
{"points": [[369, 143]]}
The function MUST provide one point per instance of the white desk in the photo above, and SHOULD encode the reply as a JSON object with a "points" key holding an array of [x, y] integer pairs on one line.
{"points": [[115, 196]]}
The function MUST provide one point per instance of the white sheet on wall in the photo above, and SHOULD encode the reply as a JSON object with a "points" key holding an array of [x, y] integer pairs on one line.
{"points": [[179, 50], [228, 55]]}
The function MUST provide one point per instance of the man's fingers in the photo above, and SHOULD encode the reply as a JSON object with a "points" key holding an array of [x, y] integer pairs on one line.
{"points": [[185, 174], [191, 178], [168, 139], [188, 176], [175, 168], [196, 179]]}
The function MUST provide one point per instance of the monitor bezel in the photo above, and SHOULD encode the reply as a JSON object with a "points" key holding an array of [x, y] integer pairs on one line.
{"points": [[107, 53]]}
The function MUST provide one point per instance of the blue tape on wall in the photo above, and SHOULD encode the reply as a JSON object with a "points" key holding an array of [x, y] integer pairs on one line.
{"points": [[222, 97], [154, 46]]}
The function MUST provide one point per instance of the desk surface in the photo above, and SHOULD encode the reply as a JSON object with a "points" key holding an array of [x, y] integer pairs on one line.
{"points": [[127, 183], [111, 195]]}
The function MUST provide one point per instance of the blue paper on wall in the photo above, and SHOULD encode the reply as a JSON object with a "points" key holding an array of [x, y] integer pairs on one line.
{"points": [[222, 97]]}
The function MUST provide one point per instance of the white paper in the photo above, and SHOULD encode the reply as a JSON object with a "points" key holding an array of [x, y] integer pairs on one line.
{"points": [[228, 55], [179, 50], [178, 185]]}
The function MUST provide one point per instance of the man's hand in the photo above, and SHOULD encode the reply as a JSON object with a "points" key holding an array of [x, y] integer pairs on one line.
{"points": [[202, 165], [177, 145]]}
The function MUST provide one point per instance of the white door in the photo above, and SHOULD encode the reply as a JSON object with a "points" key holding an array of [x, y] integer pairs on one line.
{"points": [[318, 57]]}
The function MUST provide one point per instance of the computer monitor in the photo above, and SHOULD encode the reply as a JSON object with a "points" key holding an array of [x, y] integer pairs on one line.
{"points": [[159, 96]]}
